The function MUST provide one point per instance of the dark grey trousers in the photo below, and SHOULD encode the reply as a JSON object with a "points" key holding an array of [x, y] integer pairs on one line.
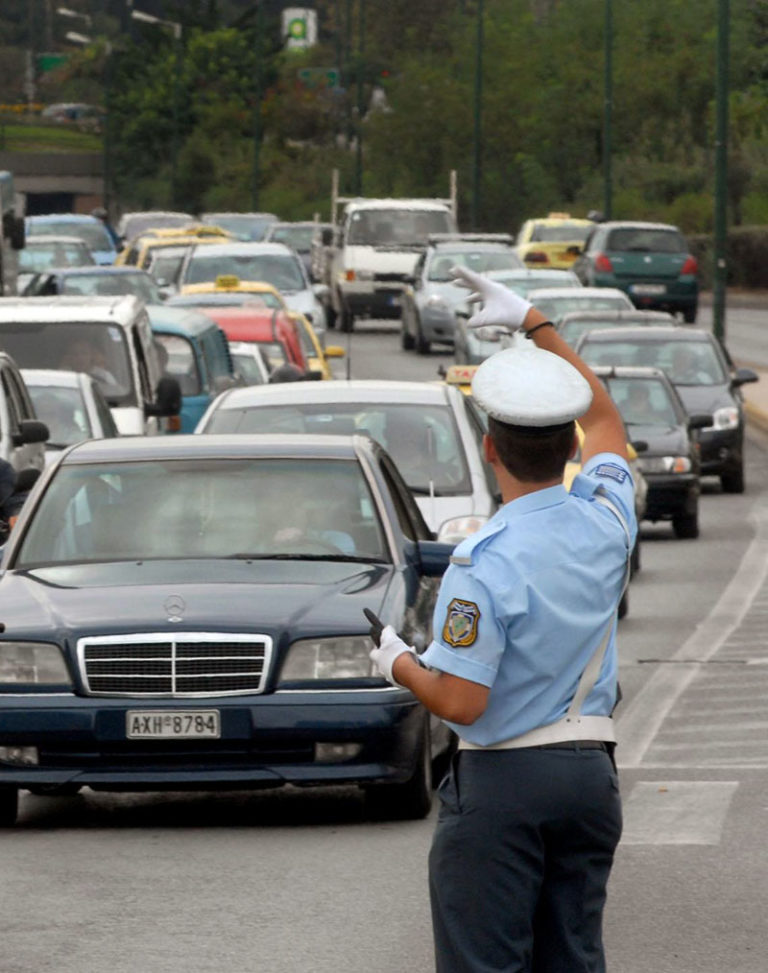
{"points": [[520, 860]]}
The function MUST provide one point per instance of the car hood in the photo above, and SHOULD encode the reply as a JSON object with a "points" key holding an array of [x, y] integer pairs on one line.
{"points": [[278, 598], [705, 398], [662, 440]]}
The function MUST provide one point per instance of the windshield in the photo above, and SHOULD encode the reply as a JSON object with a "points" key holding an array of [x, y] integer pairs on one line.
{"points": [[228, 299], [571, 331], [91, 285], [205, 508], [178, 360], [478, 260], [555, 308], [136, 225], [422, 440], [298, 237], [560, 233], [94, 235], [242, 226], [685, 362], [642, 240], [36, 257], [643, 402], [63, 411], [165, 267], [389, 227], [282, 271], [96, 348]]}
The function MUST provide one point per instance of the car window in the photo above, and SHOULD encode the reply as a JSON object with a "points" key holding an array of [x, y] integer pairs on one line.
{"points": [[685, 362], [64, 412], [106, 421], [644, 240], [409, 516], [282, 271], [555, 307], [36, 257], [643, 401], [205, 508], [383, 227], [94, 234], [422, 440], [478, 260], [181, 362], [559, 233], [298, 237]]}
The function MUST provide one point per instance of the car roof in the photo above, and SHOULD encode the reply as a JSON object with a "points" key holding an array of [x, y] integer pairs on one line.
{"points": [[101, 270], [526, 273], [50, 310], [280, 224], [64, 217], [571, 292], [649, 333], [620, 314], [638, 224], [53, 376], [460, 246], [179, 320], [557, 220], [630, 371], [207, 215], [405, 204], [246, 247], [53, 238], [214, 446], [339, 392]]}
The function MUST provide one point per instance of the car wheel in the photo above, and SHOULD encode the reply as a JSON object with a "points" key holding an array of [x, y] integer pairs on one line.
{"points": [[9, 806], [411, 799], [624, 604], [733, 480], [689, 315], [686, 526], [406, 338], [423, 347], [346, 320]]}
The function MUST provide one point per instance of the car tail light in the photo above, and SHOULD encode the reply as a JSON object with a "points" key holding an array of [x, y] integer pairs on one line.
{"points": [[690, 266], [536, 257], [350, 275], [603, 264]]}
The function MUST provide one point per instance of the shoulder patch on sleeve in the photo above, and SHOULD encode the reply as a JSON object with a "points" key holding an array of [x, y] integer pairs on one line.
{"points": [[611, 471], [462, 620]]}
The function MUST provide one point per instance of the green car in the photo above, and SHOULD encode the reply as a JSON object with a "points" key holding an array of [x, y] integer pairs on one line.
{"points": [[650, 262]]}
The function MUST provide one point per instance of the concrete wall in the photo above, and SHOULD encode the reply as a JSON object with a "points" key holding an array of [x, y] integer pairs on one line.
{"points": [[79, 174]]}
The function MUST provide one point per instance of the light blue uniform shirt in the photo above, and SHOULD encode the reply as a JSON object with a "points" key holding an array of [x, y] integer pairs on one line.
{"points": [[530, 600]]}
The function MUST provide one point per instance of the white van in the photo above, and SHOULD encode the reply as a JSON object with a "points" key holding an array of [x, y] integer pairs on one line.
{"points": [[107, 337], [22, 437]]}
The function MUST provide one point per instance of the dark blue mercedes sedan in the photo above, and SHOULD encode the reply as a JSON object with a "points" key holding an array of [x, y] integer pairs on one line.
{"points": [[186, 613]]}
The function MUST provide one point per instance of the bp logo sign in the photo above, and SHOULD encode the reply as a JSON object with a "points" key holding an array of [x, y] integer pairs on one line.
{"points": [[297, 29], [300, 26]]}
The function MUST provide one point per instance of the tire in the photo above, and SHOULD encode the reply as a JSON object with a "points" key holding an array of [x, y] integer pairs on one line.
{"points": [[686, 526], [689, 314], [346, 320], [733, 480], [9, 806], [406, 339], [423, 347], [412, 799], [624, 604]]}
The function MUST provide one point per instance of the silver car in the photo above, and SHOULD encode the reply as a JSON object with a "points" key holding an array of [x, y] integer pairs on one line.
{"points": [[423, 426], [273, 263]]}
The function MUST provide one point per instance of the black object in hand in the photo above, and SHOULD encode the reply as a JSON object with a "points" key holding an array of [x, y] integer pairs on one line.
{"points": [[377, 626]]}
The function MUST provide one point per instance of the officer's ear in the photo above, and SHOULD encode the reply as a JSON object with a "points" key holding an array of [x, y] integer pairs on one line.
{"points": [[489, 450], [575, 446]]}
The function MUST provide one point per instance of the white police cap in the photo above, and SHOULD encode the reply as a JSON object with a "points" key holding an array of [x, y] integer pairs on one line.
{"points": [[527, 386]]}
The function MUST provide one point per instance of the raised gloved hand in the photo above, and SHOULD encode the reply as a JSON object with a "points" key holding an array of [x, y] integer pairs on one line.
{"points": [[502, 307], [390, 647]]}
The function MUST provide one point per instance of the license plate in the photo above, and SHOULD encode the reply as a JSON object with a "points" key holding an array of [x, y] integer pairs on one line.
{"points": [[172, 724], [650, 290]]}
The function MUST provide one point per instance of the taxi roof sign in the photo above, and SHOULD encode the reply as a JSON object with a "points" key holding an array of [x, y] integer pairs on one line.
{"points": [[558, 216], [227, 281], [460, 374]]}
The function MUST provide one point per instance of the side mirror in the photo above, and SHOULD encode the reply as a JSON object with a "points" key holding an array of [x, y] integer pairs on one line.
{"points": [[639, 445], [31, 431], [700, 420], [321, 291], [326, 236], [26, 479], [167, 399], [743, 376], [430, 558], [313, 375], [334, 351], [574, 251]]}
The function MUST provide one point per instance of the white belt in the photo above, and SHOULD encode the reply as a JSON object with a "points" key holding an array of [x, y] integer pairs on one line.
{"points": [[573, 726]]}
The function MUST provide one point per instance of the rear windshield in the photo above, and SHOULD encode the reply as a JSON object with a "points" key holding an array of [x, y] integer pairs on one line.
{"points": [[92, 285], [685, 362], [64, 412], [557, 307], [282, 271], [36, 257], [561, 233], [640, 240], [644, 401], [98, 349], [298, 237], [422, 440], [478, 260], [94, 235]]}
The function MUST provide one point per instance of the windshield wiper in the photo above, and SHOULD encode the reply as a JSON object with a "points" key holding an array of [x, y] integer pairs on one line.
{"points": [[355, 558]]}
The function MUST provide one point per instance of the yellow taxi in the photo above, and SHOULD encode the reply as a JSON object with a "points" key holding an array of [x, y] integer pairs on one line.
{"points": [[139, 251], [317, 356], [552, 242]]}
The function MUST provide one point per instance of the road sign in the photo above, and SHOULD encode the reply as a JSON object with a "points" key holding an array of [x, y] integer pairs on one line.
{"points": [[299, 27], [319, 77]]}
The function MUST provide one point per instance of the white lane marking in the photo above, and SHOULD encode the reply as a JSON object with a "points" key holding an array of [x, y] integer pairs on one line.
{"points": [[677, 812], [640, 722]]}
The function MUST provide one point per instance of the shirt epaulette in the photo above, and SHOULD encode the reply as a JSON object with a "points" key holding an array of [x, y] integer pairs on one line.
{"points": [[463, 553]]}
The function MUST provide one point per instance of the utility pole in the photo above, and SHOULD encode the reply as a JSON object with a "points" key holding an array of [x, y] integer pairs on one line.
{"points": [[477, 140], [259, 48], [721, 171], [607, 111], [360, 99]]}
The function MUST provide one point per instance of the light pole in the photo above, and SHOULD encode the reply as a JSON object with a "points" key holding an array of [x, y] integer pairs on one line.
{"points": [[607, 111], [360, 100], [177, 35], [477, 140], [721, 171]]}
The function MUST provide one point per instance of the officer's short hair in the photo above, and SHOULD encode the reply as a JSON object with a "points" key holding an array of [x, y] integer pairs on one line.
{"points": [[532, 454]]}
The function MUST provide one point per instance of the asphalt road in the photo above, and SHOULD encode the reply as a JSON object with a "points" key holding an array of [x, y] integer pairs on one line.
{"points": [[291, 881]]}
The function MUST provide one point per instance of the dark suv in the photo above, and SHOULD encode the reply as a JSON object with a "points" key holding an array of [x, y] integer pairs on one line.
{"points": [[651, 262]]}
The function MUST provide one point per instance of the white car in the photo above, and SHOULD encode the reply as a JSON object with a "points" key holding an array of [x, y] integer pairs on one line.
{"points": [[273, 263], [71, 404], [554, 302], [423, 426], [249, 362]]}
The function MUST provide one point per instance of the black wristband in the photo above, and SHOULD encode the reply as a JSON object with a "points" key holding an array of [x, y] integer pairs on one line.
{"points": [[541, 324]]}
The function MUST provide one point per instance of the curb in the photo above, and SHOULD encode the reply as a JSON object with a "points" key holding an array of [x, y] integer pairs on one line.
{"points": [[756, 417]]}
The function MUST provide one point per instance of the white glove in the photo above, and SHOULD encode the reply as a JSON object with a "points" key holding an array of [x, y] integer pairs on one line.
{"points": [[502, 307], [390, 648]]}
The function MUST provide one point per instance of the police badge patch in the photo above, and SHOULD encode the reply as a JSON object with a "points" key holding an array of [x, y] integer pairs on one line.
{"points": [[461, 621]]}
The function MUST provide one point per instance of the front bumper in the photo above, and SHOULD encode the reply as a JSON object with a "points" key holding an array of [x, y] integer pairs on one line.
{"points": [[437, 324], [721, 450], [373, 299], [265, 742], [671, 494], [679, 294]]}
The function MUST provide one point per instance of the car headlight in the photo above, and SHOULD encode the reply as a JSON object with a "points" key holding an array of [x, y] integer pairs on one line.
{"points": [[33, 663], [725, 418], [456, 529], [665, 464], [437, 303], [345, 657]]}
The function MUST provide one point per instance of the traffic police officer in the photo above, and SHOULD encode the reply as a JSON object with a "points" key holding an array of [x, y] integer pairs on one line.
{"points": [[523, 667]]}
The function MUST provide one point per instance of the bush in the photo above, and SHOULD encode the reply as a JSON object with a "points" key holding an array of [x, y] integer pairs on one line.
{"points": [[746, 255]]}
